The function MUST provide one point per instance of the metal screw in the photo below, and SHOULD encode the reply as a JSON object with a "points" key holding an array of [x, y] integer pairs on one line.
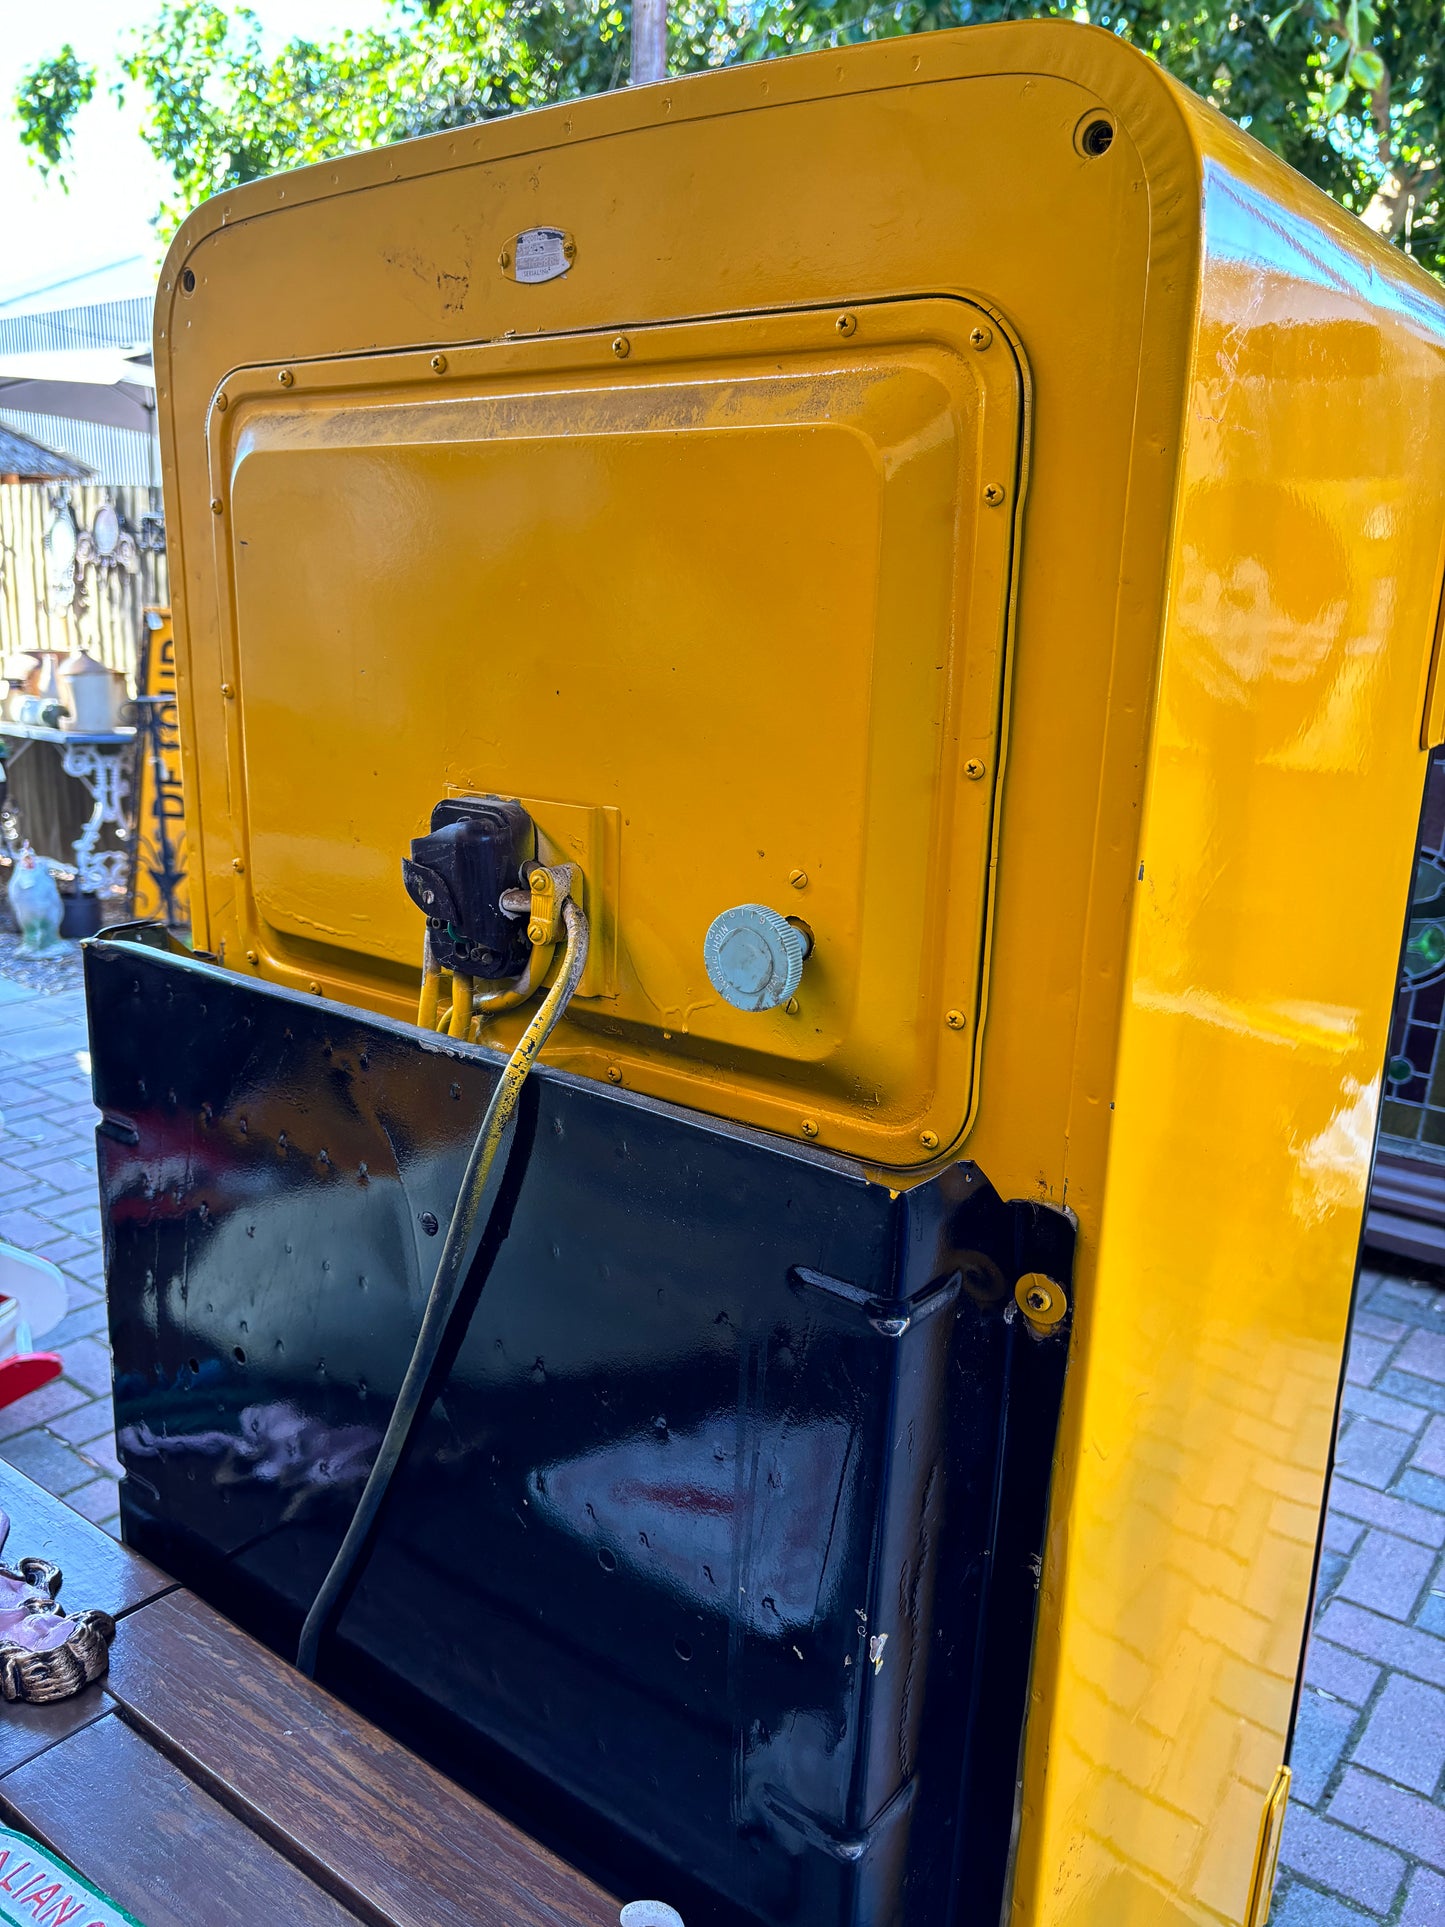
{"points": [[973, 769], [227, 691], [993, 495], [622, 347], [252, 957], [505, 257], [614, 1075], [1037, 1299], [439, 364], [847, 324], [981, 337], [809, 1128], [285, 378], [954, 1019], [237, 865], [314, 988], [216, 505], [223, 400], [929, 1140], [536, 933], [569, 249], [791, 1006], [798, 879], [429, 1224]]}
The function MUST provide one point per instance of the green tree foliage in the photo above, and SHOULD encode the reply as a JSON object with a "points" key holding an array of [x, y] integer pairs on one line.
{"points": [[1354, 95]]}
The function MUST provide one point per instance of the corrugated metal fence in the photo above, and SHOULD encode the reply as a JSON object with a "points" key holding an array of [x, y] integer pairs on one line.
{"points": [[110, 624]]}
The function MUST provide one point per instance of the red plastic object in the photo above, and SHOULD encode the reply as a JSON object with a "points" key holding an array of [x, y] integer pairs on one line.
{"points": [[26, 1373]]}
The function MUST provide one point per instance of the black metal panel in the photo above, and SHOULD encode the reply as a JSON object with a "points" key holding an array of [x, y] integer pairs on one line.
{"points": [[714, 1559]]}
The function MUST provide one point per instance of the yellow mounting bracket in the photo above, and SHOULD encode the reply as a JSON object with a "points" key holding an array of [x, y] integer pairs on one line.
{"points": [[550, 888]]}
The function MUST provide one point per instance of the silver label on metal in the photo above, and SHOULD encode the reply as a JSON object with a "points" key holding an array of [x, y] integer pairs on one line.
{"points": [[540, 254]]}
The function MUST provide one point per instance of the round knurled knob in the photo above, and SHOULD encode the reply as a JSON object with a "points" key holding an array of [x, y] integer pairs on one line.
{"points": [[754, 957]]}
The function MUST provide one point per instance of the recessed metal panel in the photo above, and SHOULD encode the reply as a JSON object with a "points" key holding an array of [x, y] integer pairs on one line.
{"points": [[743, 582]]}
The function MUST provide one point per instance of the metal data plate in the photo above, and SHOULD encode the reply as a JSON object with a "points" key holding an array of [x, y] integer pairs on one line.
{"points": [[744, 584]]}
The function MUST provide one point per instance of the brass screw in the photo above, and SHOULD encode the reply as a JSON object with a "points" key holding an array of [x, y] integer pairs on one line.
{"points": [[929, 1140], [981, 337], [237, 865], [809, 1128], [791, 1006], [227, 691], [439, 364], [215, 505], [285, 378], [569, 249], [993, 495], [622, 347], [973, 769], [954, 1019], [252, 957], [847, 324], [614, 1074], [223, 400], [505, 257], [798, 879], [315, 988]]}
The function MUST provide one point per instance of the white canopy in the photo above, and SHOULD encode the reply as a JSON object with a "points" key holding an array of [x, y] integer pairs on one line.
{"points": [[81, 385]]}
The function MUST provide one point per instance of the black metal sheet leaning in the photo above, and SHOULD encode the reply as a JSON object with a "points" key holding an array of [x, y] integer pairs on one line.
{"points": [[714, 1559]]}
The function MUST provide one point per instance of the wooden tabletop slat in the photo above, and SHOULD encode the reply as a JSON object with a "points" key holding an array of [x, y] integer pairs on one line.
{"points": [[365, 1816], [28, 1730], [147, 1836], [98, 1570]]}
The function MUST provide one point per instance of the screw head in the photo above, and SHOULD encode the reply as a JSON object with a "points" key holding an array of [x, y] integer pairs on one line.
{"points": [[847, 324], [614, 1074], [798, 879], [980, 337], [223, 400], [285, 378], [439, 364], [227, 691], [993, 495], [216, 505], [429, 1224], [791, 1006], [252, 957], [314, 988], [505, 257], [1040, 1300], [929, 1140], [973, 769], [237, 865], [536, 933], [622, 347], [808, 1127]]}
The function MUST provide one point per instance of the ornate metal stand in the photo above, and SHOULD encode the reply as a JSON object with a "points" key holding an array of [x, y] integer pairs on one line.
{"points": [[102, 767]]}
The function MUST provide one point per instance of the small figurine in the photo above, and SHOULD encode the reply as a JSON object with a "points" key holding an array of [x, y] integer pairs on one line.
{"points": [[46, 1653], [35, 902]]}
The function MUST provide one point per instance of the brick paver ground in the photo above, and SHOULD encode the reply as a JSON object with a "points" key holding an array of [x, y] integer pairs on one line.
{"points": [[1365, 1838]]}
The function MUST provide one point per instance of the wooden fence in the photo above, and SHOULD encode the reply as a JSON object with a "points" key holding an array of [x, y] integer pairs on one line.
{"points": [[110, 624]]}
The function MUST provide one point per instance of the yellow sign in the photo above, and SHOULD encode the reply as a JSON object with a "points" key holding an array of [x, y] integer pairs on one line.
{"points": [[161, 891]]}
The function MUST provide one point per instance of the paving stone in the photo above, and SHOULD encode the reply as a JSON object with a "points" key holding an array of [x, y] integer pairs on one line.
{"points": [[47, 1460], [1423, 1356], [1396, 1646], [1374, 1325], [1360, 1402], [39, 1407], [1321, 1730], [85, 1320], [1402, 1517], [1302, 1906], [87, 1363], [1425, 1901], [1341, 1534], [1429, 1454], [1421, 1489], [1344, 1862], [1366, 1357], [1335, 1671], [1431, 1616], [96, 1501], [1404, 1738], [1400, 1819], [21, 1227], [100, 1453], [96, 1420], [1387, 1574], [1369, 1453]]}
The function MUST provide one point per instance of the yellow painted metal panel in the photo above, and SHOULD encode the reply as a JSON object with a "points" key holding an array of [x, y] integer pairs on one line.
{"points": [[746, 584], [1225, 592]]}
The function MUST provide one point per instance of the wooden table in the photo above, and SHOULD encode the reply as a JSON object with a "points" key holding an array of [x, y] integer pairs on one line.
{"points": [[206, 1782]]}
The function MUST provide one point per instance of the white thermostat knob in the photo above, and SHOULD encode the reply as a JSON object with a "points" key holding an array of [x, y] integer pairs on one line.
{"points": [[754, 957]]}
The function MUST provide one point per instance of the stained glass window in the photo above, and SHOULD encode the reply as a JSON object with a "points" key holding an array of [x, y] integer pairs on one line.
{"points": [[1413, 1117]]}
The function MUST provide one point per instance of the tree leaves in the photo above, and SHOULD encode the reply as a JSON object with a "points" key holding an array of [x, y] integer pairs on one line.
{"points": [[1353, 96]]}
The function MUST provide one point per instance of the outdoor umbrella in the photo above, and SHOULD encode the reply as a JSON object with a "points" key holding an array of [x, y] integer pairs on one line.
{"points": [[80, 385]]}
